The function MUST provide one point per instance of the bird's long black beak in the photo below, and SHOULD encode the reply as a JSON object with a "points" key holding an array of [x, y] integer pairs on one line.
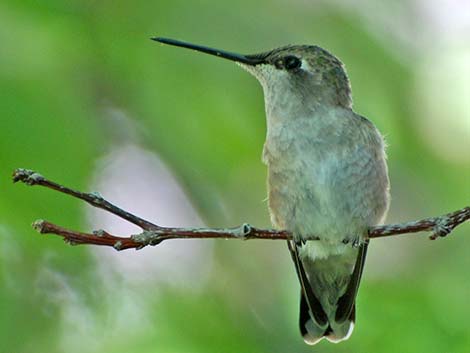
{"points": [[245, 59]]}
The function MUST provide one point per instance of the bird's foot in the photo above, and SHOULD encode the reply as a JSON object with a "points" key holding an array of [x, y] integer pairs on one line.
{"points": [[355, 241]]}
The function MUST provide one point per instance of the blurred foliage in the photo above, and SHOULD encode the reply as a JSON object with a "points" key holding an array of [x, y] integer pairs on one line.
{"points": [[64, 64]]}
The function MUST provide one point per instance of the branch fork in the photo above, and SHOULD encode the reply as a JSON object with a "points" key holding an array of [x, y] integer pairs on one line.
{"points": [[153, 234]]}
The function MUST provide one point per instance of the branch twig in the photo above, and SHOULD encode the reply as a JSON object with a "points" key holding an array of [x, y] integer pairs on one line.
{"points": [[153, 234], [30, 177]]}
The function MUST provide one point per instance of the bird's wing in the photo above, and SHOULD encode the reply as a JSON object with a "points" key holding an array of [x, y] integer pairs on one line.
{"points": [[306, 290], [347, 300]]}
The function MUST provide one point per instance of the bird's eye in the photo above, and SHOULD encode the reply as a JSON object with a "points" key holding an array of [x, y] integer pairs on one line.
{"points": [[292, 62]]}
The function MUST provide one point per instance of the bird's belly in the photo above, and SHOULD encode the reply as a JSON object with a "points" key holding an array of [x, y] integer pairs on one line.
{"points": [[300, 206], [333, 202], [325, 183]]}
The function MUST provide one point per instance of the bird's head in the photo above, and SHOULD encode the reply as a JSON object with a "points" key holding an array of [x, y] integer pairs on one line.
{"points": [[301, 75]]}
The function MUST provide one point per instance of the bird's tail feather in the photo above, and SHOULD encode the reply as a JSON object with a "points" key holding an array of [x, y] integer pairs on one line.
{"points": [[327, 304], [334, 332]]}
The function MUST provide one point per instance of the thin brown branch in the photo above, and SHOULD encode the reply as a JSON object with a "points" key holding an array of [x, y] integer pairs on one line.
{"points": [[30, 177], [152, 234], [72, 237], [155, 237]]}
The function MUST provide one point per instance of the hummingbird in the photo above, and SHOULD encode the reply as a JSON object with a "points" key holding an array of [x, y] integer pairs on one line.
{"points": [[327, 177]]}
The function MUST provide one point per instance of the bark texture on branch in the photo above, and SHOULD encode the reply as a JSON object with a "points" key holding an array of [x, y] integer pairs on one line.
{"points": [[153, 234]]}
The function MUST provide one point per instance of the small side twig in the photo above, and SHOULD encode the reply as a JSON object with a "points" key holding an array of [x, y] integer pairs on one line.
{"points": [[153, 234], [30, 177]]}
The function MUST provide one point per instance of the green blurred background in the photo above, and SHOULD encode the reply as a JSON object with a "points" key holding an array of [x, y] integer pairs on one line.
{"points": [[88, 100]]}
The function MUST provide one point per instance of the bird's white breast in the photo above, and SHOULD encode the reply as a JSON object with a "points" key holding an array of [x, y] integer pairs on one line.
{"points": [[326, 178]]}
